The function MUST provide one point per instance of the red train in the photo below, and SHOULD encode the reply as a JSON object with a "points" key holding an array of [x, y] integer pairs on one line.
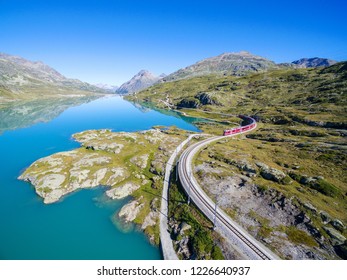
{"points": [[238, 130]]}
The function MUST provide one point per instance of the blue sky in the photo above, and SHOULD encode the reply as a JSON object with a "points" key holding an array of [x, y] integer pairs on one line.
{"points": [[110, 41]]}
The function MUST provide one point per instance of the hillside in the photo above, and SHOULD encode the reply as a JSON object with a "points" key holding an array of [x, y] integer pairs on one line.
{"points": [[286, 182], [21, 79], [225, 64], [306, 95]]}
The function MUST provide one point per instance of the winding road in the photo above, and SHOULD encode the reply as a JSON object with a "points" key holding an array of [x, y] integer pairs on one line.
{"points": [[165, 238], [244, 242]]}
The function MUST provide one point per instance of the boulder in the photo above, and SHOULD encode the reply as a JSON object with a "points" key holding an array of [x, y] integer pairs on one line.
{"points": [[302, 218], [306, 180], [272, 174], [183, 227], [244, 165], [130, 211], [341, 250], [336, 237], [338, 225], [150, 219], [189, 102], [207, 99], [310, 207], [122, 191], [140, 161], [325, 217], [262, 165]]}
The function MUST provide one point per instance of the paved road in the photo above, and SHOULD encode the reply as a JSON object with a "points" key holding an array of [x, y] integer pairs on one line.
{"points": [[165, 239], [244, 242]]}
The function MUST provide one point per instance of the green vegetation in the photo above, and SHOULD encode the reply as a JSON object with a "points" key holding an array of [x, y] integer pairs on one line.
{"points": [[24, 80], [300, 237], [325, 188], [115, 160], [318, 184], [264, 230], [201, 236], [309, 96], [301, 116]]}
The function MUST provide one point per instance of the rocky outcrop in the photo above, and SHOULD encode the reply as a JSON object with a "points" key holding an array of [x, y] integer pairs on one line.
{"points": [[140, 161], [189, 102], [341, 250], [118, 161], [207, 98], [182, 241], [337, 224], [152, 218], [244, 165], [325, 217], [100, 161], [336, 237], [52, 180], [183, 227], [130, 211], [270, 173], [122, 191]]}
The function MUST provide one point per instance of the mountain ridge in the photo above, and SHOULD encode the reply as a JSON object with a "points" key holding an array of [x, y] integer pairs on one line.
{"points": [[140, 81], [314, 62], [228, 63], [22, 79]]}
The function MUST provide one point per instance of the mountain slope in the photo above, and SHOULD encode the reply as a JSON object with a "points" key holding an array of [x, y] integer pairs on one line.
{"points": [[313, 62], [140, 81], [312, 93], [301, 134], [225, 64], [22, 79]]}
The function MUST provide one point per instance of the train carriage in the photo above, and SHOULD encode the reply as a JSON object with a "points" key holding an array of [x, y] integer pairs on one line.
{"points": [[237, 130]]}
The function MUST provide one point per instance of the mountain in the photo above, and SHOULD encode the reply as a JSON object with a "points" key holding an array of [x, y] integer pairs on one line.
{"points": [[316, 96], [107, 87], [235, 64], [21, 79], [140, 81], [301, 134], [313, 62]]}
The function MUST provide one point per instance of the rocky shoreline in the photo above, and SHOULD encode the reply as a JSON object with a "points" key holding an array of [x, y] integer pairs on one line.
{"points": [[129, 164]]}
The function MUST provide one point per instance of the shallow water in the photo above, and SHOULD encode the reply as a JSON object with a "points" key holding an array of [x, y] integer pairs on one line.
{"points": [[82, 225]]}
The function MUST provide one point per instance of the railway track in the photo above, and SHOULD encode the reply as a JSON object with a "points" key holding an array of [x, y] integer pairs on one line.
{"points": [[250, 247]]}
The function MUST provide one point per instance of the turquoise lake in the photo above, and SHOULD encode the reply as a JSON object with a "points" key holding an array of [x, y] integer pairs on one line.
{"points": [[82, 225]]}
